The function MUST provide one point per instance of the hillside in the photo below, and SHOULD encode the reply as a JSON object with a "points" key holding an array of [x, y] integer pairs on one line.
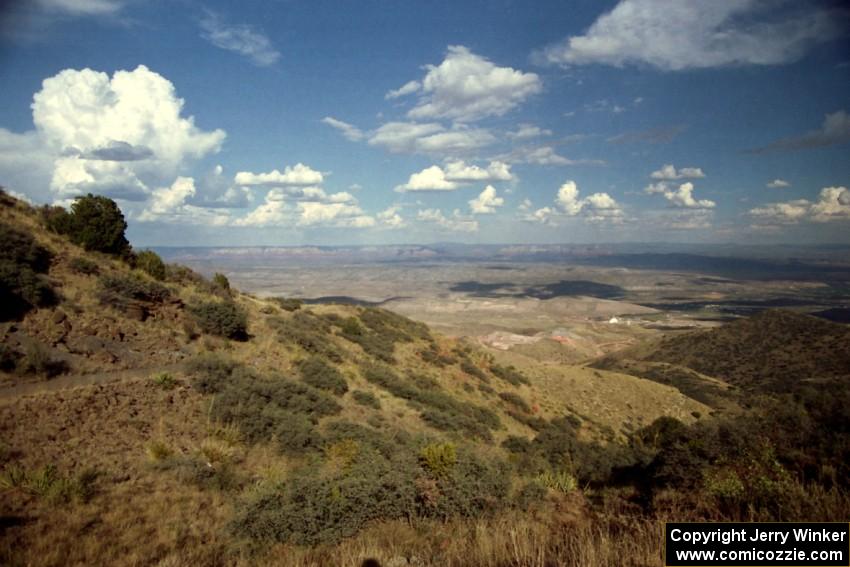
{"points": [[151, 416], [773, 351], [135, 393]]}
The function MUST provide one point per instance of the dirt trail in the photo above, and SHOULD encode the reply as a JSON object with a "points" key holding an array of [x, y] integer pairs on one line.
{"points": [[13, 391]]}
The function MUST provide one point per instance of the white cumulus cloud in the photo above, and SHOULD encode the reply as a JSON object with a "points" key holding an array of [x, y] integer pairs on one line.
{"points": [[298, 174], [114, 136], [697, 34], [486, 202], [429, 179], [681, 196], [670, 173], [458, 170], [169, 204], [597, 207], [467, 87]]}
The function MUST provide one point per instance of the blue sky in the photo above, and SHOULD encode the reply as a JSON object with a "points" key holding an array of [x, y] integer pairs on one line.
{"points": [[282, 123]]}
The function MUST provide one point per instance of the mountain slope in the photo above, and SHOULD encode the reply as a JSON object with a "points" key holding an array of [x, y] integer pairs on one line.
{"points": [[774, 351]]}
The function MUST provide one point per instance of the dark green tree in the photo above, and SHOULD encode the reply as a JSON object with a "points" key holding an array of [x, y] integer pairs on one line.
{"points": [[98, 224]]}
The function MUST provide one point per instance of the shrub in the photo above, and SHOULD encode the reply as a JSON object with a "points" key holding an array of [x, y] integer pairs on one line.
{"points": [[95, 223], [38, 360], [200, 473], [221, 318], [340, 455], [263, 408], [158, 450], [437, 408], [309, 332], [22, 263], [509, 374], [438, 458], [432, 356], [289, 303], [367, 399], [562, 481], [149, 262], [557, 447], [516, 401], [530, 493], [319, 374], [473, 487], [164, 380], [121, 291], [389, 446], [535, 422], [183, 275], [468, 367], [8, 358], [213, 373], [313, 509], [83, 266], [486, 390], [48, 483], [220, 281], [56, 219], [351, 326], [380, 330]]}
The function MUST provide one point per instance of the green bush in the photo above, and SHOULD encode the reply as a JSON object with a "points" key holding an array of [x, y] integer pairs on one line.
{"points": [[557, 447], [212, 373], [516, 401], [22, 263], [263, 408], [531, 493], [118, 289], [319, 374], [38, 360], [535, 422], [131, 291], [83, 266], [48, 483], [509, 374], [289, 303], [351, 326], [472, 488], [184, 275], [367, 399], [313, 509], [195, 471], [368, 476], [56, 219], [468, 367], [220, 281], [433, 356], [561, 481], [437, 408], [309, 332], [439, 458], [164, 380], [95, 223], [221, 318], [378, 330], [149, 262]]}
